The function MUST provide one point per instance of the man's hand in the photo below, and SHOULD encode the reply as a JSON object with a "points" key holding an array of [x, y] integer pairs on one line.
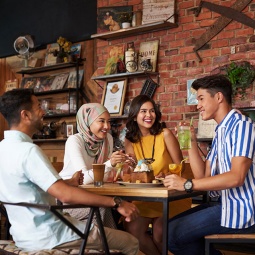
{"points": [[76, 180], [174, 181], [128, 210]]}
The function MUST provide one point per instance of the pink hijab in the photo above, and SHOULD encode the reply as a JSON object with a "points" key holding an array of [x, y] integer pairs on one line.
{"points": [[95, 147]]}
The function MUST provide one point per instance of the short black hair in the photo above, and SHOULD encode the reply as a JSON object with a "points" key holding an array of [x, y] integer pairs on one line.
{"points": [[133, 132], [214, 84], [13, 102]]}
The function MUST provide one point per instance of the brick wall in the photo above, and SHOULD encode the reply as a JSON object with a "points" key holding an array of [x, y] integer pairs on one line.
{"points": [[177, 61]]}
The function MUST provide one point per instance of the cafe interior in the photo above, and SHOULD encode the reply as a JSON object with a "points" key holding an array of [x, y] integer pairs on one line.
{"points": [[167, 45]]}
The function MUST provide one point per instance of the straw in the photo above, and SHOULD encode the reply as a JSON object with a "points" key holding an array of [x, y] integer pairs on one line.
{"points": [[191, 121], [184, 160]]}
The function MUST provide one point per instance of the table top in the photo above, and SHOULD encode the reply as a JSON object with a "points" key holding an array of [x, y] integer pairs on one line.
{"points": [[113, 189]]}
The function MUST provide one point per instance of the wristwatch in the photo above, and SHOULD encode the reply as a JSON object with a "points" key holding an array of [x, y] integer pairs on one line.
{"points": [[188, 185], [117, 201]]}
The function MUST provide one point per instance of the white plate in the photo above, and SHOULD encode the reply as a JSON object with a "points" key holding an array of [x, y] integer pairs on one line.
{"points": [[138, 185]]}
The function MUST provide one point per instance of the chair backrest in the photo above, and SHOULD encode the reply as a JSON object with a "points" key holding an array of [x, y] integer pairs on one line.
{"points": [[58, 166]]}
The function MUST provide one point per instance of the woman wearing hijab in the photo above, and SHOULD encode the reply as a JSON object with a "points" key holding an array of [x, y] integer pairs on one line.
{"points": [[91, 145]]}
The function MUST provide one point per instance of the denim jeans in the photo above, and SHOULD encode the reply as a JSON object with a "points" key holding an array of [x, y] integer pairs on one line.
{"points": [[187, 230]]}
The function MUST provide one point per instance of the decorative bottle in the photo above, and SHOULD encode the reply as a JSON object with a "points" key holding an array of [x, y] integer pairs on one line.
{"points": [[130, 58]]}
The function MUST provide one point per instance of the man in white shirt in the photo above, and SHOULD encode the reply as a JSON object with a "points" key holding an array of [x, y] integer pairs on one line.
{"points": [[27, 176]]}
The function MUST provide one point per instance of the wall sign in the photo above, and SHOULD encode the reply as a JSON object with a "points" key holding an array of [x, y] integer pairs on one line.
{"points": [[159, 10]]}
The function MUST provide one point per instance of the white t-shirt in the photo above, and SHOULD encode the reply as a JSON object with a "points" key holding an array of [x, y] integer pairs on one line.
{"points": [[76, 158], [25, 176]]}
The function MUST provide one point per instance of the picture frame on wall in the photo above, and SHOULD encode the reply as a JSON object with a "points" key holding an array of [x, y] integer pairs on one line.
{"points": [[191, 93], [114, 96], [109, 18], [161, 9]]}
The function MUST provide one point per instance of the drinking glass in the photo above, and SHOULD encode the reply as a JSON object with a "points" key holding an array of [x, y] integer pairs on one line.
{"points": [[184, 135], [175, 169], [98, 171]]}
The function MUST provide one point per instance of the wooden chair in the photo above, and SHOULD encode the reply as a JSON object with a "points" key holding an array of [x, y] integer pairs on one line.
{"points": [[58, 166], [7, 247], [244, 243]]}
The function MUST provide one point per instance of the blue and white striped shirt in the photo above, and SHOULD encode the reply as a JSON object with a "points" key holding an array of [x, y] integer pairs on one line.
{"points": [[235, 136]]}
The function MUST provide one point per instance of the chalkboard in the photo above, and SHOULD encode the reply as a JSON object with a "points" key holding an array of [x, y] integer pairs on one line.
{"points": [[45, 20]]}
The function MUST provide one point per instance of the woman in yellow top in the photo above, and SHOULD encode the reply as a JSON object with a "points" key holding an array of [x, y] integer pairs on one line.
{"points": [[147, 139]]}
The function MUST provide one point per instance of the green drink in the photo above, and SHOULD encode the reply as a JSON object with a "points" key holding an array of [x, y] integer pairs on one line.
{"points": [[184, 137]]}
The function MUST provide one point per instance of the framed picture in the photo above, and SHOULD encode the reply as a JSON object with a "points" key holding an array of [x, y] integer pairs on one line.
{"points": [[191, 93], [69, 130], [109, 18], [11, 84], [114, 95]]}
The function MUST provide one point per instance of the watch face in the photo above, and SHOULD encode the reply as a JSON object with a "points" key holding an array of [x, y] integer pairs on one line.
{"points": [[188, 185], [117, 201]]}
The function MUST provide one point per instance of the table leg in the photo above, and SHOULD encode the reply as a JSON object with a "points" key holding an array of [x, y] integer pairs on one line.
{"points": [[165, 227]]}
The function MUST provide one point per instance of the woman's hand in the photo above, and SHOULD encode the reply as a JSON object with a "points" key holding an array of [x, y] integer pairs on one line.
{"points": [[131, 160], [117, 157]]}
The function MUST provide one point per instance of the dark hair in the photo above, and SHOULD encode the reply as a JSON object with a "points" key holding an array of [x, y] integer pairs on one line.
{"points": [[133, 132], [214, 84], [13, 102]]}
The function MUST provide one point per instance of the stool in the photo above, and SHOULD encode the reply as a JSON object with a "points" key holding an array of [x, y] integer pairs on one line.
{"points": [[231, 242]]}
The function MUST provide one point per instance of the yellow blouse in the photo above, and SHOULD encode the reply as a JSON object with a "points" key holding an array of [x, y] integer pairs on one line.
{"points": [[162, 160], [161, 155]]}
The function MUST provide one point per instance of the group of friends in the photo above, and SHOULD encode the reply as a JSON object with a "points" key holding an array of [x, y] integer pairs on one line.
{"points": [[26, 174]]}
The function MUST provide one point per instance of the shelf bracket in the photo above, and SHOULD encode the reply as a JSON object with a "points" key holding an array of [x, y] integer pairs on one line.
{"points": [[228, 14]]}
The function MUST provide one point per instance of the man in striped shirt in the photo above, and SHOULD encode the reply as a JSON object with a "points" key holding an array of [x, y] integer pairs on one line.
{"points": [[228, 173]]}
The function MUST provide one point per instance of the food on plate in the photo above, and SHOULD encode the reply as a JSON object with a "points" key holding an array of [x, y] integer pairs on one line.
{"points": [[143, 173]]}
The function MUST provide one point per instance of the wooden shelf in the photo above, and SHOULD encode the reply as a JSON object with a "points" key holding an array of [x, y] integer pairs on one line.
{"points": [[124, 75], [125, 32], [49, 68]]}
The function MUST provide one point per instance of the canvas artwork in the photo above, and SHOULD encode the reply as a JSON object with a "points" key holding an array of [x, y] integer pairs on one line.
{"points": [[191, 93], [59, 81], [115, 53], [148, 50], [158, 10], [43, 83], [76, 51], [109, 18], [71, 83]]}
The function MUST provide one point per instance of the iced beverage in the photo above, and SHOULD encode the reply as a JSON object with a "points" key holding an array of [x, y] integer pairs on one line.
{"points": [[98, 171], [175, 169], [184, 137]]}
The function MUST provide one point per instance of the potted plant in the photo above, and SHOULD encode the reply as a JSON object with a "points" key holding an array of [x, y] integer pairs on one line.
{"points": [[241, 75], [125, 19]]}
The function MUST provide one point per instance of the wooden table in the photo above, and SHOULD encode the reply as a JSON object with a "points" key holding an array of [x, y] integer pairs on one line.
{"points": [[141, 193]]}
